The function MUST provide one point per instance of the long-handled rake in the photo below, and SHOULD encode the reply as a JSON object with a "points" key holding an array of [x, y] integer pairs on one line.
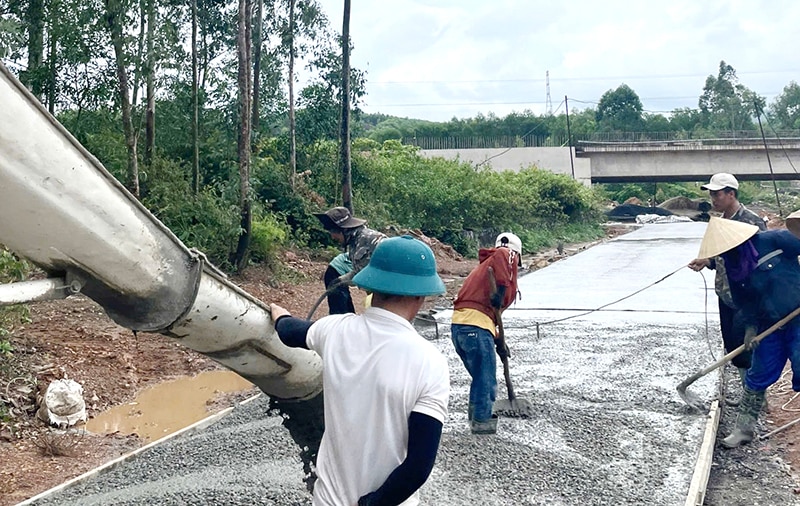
{"points": [[692, 400]]}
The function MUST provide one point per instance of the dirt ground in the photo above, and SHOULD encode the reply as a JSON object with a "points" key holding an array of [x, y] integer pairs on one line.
{"points": [[73, 338]]}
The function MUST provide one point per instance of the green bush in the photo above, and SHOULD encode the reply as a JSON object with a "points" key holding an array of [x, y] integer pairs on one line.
{"points": [[394, 185], [269, 234], [12, 270], [208, 221]]}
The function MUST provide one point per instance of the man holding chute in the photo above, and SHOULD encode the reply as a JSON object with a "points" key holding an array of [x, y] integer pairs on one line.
{"points": [[386, 387]]}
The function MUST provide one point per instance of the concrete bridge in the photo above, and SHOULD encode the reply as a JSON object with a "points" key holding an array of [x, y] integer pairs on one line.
{"points": [[645, 161]]}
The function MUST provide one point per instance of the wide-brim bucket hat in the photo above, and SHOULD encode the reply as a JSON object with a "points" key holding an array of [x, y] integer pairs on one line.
{"points": [[401, 266], [723, 235], [793, 223], [339, 217]]}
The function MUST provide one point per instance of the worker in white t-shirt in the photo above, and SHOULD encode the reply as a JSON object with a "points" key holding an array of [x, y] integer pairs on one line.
{"points": [[386, 387]]}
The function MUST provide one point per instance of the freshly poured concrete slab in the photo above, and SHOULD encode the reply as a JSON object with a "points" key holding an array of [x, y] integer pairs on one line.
{"points": [[609, 428]]}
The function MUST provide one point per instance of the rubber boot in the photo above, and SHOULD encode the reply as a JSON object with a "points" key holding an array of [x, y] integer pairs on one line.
{"points": [[746, 420], [485, 427], [742, 375], [735, 398]]}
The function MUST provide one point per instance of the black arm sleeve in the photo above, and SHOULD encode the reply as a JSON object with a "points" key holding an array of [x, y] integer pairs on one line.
{"points": [[292, 331], [424, 434], [497, 299]]}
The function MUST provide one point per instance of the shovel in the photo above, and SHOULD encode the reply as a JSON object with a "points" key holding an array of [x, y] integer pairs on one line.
{"points": [[691, 399], [511, 407]]}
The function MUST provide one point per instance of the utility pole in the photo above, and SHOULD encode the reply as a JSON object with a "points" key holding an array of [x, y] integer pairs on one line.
{"points": [[569, 138], [549, 102], [769, 162]]}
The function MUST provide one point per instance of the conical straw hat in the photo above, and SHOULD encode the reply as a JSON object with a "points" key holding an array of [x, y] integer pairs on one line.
{"points": [[723, 235], [793, 223]]}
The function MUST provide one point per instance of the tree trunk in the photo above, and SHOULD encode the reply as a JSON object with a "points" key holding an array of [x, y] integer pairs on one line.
{"points": [[243, 50], [52, 55], [150, 112], [35, 20], [344, 142], [204, 45], [195, 107], [113, 15], [292, 123], [257, 65], [138, 69]]}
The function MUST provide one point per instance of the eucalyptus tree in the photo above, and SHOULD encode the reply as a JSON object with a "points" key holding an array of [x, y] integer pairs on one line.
{"points": [[686, 119], [344, 140], [195, 107], [149, 72], [35, 19], [12, 32], [243, 48], [319, 103], [292, 124], [726, 104], [258, 38], [116, 18], [293, 30], [784, 112], [620, 110]]}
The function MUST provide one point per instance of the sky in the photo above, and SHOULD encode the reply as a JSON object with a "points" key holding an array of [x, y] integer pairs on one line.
{"points": [[440, 59]]}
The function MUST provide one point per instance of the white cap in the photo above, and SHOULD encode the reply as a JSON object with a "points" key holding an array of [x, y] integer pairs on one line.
{"points": [[510, 241], [720, 181]]}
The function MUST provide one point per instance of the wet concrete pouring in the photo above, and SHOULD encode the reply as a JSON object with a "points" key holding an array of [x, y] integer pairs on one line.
{"points": [[609, 429]]}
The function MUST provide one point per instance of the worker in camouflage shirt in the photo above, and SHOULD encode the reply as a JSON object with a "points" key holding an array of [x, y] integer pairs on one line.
{"points": [[359, 242], [724, 192]]}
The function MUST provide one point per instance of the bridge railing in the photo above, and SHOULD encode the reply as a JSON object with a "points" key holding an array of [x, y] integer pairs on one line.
{"points": [[739, 137], [487, 141], [683, 136]]}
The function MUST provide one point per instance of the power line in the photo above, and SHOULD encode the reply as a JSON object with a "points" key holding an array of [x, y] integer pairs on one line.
{"points": [[535, 102], [587, 78]]}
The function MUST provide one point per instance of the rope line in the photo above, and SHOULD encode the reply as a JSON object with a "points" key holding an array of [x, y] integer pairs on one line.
{"points": [[783, 387], [708, 340], [613, 302]]}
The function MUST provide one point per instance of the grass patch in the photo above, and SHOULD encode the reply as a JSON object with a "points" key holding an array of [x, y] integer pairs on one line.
{"points": [[534, 241]]}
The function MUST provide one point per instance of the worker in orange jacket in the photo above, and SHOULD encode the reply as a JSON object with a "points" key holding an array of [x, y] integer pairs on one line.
{"points": [[474, 325]]}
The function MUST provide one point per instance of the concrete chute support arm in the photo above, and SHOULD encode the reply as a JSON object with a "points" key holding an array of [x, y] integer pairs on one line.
{"points": [[63, 211]]}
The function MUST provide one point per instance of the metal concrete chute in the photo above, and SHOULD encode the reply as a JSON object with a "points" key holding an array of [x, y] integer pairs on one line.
{"points": [[63, 211]]}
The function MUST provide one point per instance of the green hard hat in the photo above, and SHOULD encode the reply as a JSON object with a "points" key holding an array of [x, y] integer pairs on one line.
{"points": [[401, 266]]}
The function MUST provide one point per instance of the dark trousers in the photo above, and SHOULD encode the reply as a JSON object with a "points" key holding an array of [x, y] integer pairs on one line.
{"points": [[733, 335], [339, 299]]}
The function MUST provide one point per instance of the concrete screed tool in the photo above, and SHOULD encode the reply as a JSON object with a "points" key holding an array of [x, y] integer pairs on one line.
{"points": [[511, 407], [692, 400]]}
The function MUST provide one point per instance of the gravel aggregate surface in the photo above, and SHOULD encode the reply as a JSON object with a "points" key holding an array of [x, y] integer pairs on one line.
{"points": [[609, 427]]}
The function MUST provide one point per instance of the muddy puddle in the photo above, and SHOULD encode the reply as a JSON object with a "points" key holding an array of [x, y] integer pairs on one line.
{"points": [[168, 407]]}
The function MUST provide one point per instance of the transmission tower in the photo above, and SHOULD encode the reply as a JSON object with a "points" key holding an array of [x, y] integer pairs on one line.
{"points": [[549, 103]]}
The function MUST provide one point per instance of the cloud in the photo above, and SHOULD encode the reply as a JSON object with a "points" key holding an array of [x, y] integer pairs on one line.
{"points": [[439, 59]]}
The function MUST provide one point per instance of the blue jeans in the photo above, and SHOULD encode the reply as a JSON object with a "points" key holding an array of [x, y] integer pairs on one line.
{"points": [[475, 346], [770, 356]]}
